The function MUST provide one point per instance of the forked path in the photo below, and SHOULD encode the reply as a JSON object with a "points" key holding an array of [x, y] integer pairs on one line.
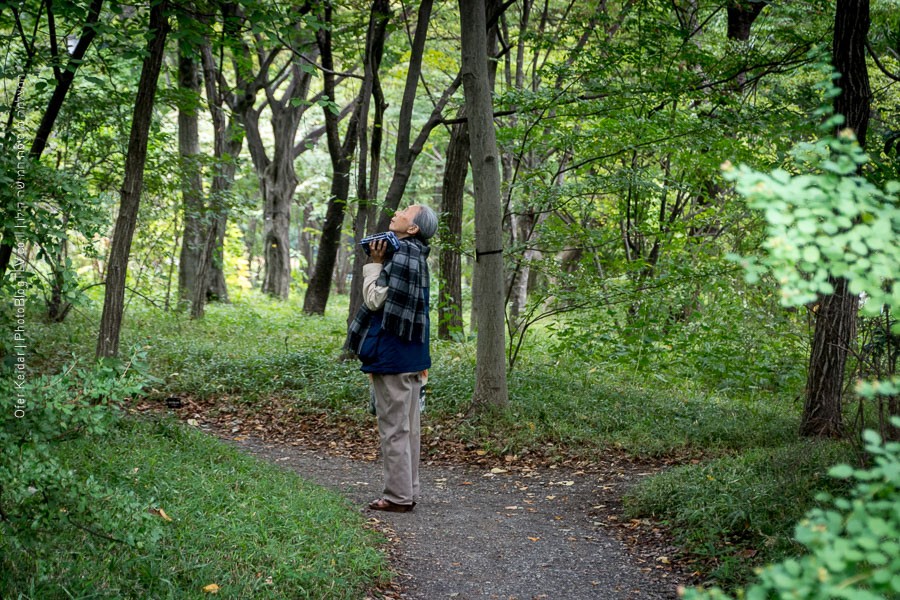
{"points": [[492, 534]]}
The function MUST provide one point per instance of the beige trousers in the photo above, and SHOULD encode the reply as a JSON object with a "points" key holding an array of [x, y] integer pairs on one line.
{"points": [[397, 406]]}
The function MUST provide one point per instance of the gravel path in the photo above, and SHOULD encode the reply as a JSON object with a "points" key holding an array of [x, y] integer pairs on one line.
{"points": [[489, 534]]}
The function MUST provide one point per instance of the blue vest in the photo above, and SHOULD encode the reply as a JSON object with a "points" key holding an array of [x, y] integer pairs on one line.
{"points": [[384, 352]]}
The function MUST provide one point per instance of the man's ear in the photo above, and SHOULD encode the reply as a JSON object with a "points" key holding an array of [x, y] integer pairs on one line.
{"points": [[413, 229]]}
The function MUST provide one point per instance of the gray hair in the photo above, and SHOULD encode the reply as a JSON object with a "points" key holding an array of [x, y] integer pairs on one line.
{"points": [[427, 221]]}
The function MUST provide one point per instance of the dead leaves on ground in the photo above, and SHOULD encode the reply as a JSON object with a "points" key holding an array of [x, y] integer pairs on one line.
{"points": [[280, 421]]}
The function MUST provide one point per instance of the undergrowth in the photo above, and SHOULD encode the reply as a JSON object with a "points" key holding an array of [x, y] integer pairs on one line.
{"points": [[745, 477], [221, 519]]}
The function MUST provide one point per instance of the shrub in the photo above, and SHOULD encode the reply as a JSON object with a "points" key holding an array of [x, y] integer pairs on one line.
{"points": [[39, 495], [854, 545]]}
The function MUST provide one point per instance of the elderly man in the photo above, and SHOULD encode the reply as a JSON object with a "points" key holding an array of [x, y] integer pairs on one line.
{"points": [[390, 336]]}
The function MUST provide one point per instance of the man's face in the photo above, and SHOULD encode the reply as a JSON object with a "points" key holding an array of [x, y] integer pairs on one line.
{"points": [[402, 222]]}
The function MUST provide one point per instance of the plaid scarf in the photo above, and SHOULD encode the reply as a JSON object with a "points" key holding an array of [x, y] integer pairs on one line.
{"points": [[404, 313]]}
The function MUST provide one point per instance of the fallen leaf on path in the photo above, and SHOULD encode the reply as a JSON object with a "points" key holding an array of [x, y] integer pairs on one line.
{"points": [[534, 539], [498, 471]]}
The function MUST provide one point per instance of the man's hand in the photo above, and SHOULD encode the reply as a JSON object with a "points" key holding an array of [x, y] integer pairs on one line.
{"points": [[377, 250]]}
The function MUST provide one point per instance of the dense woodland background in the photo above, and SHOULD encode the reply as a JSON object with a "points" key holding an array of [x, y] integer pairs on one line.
{"points": [[178, 158]]}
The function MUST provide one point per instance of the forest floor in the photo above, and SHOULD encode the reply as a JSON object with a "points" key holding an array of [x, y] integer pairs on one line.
{"points": [[485, 527]]}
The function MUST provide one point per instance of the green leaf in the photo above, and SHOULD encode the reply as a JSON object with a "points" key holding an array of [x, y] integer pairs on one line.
{"points": [[841, 471]]}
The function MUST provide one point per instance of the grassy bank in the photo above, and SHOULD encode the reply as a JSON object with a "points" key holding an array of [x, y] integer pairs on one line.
{"points": [[227, 520], [745, 478]]}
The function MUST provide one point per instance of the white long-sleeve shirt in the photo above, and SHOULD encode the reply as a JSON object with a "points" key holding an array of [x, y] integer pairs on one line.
{"points": [[374, 295]]}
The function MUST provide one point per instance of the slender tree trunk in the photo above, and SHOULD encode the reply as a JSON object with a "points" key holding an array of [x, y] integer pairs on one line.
{"points": [[228, 138], [306, 246], [837, 312], [366, 181], [192, 179], [490, 370], [216, 288], [57, 308], [113, 304], [405, 153], [64, 80], [456, 168], [319, 289]]}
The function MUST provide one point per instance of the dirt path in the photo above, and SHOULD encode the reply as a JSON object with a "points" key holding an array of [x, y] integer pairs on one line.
{"points": [[486, 534]]}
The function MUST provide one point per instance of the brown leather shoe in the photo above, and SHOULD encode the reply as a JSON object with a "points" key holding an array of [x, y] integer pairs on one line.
{"points": [[386, 505]]}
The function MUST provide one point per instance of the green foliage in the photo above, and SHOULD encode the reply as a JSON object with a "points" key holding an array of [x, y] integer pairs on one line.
{"points": [[852, 543], [826, 222], [253, 529], [39, 495], [710, 329], [731, 509], [562, 404], [584, 408], [270, 351], [47, 209]]}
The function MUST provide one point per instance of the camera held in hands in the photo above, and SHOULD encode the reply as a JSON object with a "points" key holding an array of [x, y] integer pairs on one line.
{"points": [[388, 236]]}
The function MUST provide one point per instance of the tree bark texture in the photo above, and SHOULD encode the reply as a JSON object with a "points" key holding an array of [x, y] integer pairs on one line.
{"points": [[456, 168], [837, 312], [278, 178], [490, 370], [113, 304], [192, 178]]}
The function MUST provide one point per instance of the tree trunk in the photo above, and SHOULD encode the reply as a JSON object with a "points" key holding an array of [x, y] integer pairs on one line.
{"points": [[319, 289], [306, 246], [113, 304], [64, 80], [490, 370], [836, 317], [279, 183], [216, 288], [228, 138], [741, 15], [57, 307], [456, 168], [192, 178], [366, 181]]}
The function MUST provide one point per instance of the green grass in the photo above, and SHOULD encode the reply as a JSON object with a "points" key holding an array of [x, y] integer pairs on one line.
{"points": [[752, 478], [555, 400], [738, 511], [253, 529]]}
